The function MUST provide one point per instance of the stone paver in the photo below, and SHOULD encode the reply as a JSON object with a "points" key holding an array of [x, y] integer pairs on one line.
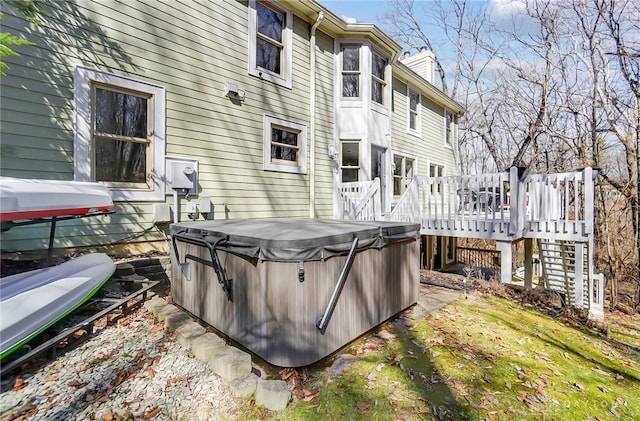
{"points": [[188, 332], [172, 321], [205, 347], [231, 364], [162, 312], [244, 387], [273, 394]]}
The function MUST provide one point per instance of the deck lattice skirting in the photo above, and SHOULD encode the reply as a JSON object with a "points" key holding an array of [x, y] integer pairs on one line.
{"points": [[507, 207]]}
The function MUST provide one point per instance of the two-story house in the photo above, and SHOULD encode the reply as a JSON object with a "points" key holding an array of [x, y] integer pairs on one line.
{"points": [[273, 105]]}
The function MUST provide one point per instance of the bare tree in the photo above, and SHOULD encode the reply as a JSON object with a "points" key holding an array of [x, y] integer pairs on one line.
{"points": [[554, 86]]}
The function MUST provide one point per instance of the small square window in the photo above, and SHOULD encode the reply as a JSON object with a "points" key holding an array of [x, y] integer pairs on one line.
{"points": [[285, 145]]}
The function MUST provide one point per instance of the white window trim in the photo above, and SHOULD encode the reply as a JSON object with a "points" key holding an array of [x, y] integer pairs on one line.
{"points": [[301, 168], [405, 155], [418, 130], [359, 166], [444, 173], [388, 80], [82, 168], [454, 136], [287, 40], [341, 46]]}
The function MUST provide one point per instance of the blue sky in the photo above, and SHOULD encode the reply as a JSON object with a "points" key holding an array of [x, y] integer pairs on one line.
{"points": [[366, 11]]}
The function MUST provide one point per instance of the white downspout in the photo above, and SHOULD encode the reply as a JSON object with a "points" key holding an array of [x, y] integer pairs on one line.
{"points": [[312, 117]]}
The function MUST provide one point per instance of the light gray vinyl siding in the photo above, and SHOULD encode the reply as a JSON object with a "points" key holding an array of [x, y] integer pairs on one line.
{"points": [[430, 146], [191, 48], [324, 124]]}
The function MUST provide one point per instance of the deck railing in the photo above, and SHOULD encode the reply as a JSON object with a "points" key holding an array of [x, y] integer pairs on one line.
{"points": [[502, 206], [408, 207], [360, 200], [470, 205], [561, 204]]}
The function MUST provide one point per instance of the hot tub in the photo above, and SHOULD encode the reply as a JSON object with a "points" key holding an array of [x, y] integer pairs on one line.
{"points": [[294, 290]]}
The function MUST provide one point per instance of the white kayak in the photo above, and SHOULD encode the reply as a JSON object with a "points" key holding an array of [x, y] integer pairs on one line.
{"points": [[23, 198], [30, 302]]}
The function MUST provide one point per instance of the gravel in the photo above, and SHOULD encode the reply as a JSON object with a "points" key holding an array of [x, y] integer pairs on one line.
{"points": [[130, 370]]}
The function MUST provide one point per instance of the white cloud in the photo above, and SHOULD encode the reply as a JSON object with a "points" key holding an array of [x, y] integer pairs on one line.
{"points": [[506, 8]]}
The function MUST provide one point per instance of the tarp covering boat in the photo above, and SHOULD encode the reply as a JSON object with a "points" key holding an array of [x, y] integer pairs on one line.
{"points": [[30, 302], [22, 198]]}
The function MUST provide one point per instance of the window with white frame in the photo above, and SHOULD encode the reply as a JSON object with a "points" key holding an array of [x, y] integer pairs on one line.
{"points": [[350, 71], [378, 77], [403, 172], [350, 160], [450, 129], [270, 42], [414, 110], [285, 145], [436, 170], [119, 134]]}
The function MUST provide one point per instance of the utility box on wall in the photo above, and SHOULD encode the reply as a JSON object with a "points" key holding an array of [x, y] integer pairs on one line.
{"points": [[182, 175]]}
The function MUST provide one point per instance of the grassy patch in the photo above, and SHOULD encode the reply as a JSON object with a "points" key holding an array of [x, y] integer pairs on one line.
{"points": [[480, 358]]}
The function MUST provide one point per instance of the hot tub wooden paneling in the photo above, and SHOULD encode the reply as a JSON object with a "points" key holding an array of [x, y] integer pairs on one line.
{"points": [[274, 314]]}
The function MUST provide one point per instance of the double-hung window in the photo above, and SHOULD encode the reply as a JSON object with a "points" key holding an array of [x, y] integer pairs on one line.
{"points": [[378, 77], [450, 129], [414, 110], [119, 134], [350, 71], [403, 171], [350, 160], [270, 51], [285, 145]]}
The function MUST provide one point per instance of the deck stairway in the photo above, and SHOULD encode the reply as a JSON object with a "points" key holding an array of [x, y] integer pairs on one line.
{"points": [[554, 209]]}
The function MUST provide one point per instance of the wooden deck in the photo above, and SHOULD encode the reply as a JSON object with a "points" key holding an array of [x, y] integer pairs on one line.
{"points": [[506, 207]]}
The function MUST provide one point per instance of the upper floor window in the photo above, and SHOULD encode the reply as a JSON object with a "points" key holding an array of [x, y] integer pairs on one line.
{"points": [[350, 71], [285, 145], [378, 75], [414, 110], [270, 45], [350, 161], [450, 129], [403, 171], [119, 134]]}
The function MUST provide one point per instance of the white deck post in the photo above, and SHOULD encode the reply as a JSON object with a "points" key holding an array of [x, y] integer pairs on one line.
{"points": [[377, 202], [506, 261], [589, 202], [514, 208], [528, 263], [578, 286]]}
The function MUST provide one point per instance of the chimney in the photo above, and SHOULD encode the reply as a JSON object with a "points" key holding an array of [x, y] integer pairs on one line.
{"points": [[423, 63]]}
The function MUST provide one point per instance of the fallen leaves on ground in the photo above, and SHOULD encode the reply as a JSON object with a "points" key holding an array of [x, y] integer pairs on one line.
{"points": [[19, 384], [363, 406]]}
